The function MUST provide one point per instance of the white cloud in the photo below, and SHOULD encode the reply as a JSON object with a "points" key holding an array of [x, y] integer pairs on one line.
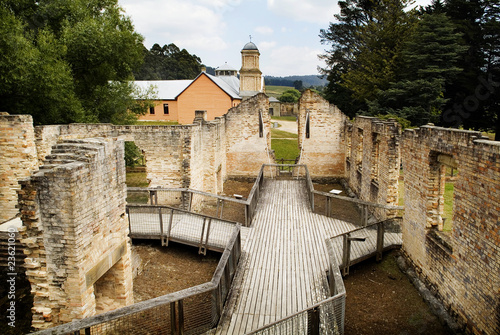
{"points": [[188, 24], [317, 11], [286, 60], [264, 30], [265, 46]]}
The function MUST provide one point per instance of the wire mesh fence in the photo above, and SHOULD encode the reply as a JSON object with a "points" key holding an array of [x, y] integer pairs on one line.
{"points": [[172, 224], [191, 311], [358, 212], [362, 243]]}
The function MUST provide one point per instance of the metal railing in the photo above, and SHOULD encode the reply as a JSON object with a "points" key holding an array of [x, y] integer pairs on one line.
{"points": [[191, 311], [177, 225], [372, 240], [222, 207], [325, 317], [349, 209]]}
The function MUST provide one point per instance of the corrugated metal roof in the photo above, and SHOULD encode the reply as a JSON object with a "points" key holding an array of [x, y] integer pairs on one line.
{"points": [[229, 84], [170, 89]]}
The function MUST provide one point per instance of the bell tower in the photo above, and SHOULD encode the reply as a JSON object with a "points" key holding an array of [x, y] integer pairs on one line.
{"points": [[250, 74]]}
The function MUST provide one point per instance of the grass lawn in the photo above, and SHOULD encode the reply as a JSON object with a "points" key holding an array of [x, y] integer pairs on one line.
{"points": [[276, 91], [286, 149], [276, 133], [136, 179], [284, 118], [448, 205], [156, 123]]}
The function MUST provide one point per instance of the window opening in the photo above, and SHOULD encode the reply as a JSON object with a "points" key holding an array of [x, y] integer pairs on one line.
{"points": [[151, 110], [165, 109]]}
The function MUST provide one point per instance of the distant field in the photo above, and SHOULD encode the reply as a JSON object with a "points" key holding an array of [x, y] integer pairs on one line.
{"points": [[276, 91]]}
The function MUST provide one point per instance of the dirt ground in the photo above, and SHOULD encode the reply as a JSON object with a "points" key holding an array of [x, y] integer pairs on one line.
{"points": [[380, 298], [170, 269]]}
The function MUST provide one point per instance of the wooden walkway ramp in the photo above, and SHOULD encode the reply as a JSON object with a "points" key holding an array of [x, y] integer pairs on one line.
{"points": [[283, 268], [169, 224]]}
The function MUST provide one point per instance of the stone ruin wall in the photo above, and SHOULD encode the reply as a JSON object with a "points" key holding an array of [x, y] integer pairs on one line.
{"points": [[373, 161], [248, 136], [199, 156], [18, 152], [322, 140], [75, 230], [462, 267]]}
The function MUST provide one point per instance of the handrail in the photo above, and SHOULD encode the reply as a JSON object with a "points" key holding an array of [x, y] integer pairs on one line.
{"points": [[358, 201], [190, 190], [317, 305], [180, 210], [77, 325]]}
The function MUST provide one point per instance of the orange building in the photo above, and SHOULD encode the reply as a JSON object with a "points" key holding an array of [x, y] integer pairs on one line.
{"points": [[179, 99]]}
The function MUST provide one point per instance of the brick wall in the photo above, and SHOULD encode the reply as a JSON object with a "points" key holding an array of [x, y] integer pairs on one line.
{"points": [[75, 231], [321, 137], [373, 161], [18, 153], [463, 266]]}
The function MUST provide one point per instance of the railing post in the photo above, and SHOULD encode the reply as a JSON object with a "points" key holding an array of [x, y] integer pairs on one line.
{"points": [[190, 201], [161, 226], [173, 319], [169, 226], [127, 210], [180, 305], [365, 215], [247, 223], [313, 321], [346, 254], [380, 240], [201, 237]]}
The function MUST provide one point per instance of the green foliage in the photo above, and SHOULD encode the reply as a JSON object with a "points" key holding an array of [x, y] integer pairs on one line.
{"points": [[68, 60], [168, 63], [379, 49], [291, 95], [402, 121], [133, 155]]}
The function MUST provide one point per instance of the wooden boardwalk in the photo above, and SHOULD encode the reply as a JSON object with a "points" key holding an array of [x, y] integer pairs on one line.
{"points": [[183, 227], [285, 259]]}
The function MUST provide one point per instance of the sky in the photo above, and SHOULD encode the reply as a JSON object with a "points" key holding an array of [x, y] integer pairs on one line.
{"points": [[286, 32]]}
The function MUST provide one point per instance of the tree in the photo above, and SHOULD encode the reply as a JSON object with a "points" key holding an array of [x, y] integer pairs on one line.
{"points": [[79, 60], [298, 85], [365, 53], [168, 63], [291, 95], [429, 61], [474, 99]]}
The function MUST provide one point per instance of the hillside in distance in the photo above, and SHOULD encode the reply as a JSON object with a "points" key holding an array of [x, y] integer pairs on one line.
{"points": [[307, 81]]}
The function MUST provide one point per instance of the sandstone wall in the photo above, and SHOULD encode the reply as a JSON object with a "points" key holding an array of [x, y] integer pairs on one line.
{"points": [[75, 230], [463, 266], [321, 136], [18, 158], [373, 161], [248, 134]]}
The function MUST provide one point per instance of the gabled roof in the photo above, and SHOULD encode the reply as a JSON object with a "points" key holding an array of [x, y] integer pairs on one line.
{"points": [[166, 89], [171, 89], [229, 84]]}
